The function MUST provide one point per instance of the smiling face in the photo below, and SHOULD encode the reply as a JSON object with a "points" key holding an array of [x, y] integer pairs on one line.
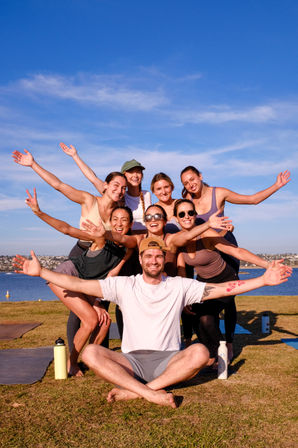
{"points": [[152, 262], [134, 176], [120, 221], [191, 181], [116, 188], [163, 190], [185, 219], [154, 221]]}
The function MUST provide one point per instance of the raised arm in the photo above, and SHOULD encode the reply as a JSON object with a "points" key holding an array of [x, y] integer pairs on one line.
{"points": [[184, 236], [97, 235], [275, 274], [86, 170], [213, 241], [79, 196], [32, 267], [129, 241], [230, 196]]}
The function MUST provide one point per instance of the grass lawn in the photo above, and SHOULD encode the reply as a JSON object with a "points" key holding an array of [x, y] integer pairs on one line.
{"points": [[255, 407]]}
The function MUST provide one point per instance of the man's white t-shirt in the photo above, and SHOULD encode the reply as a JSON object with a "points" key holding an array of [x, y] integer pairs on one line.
{"points": [[151, 313]]}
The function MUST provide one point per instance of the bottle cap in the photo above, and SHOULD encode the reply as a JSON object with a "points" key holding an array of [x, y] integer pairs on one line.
{"points": [[59, 341]]}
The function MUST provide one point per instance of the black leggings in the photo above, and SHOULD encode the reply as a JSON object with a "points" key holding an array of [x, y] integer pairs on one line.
{"points": [[205, 323]]}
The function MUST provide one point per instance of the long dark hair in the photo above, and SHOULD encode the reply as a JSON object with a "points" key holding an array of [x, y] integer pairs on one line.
{"points": [[194, 170], [123, 207]]}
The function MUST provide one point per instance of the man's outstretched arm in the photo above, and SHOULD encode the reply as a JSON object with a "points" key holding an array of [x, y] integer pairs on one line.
{"points": [[32, 267], [276, 274]]}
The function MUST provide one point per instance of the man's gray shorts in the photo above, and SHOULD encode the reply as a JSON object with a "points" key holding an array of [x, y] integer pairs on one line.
{"points": [[149, 364]]}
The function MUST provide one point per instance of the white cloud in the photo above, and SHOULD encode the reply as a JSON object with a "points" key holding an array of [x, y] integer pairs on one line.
{"points": [[223, 114], [101, 91], [8, 203]]}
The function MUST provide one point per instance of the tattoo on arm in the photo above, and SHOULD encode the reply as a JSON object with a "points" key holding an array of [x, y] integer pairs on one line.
{"points": [[207, 291], [233, 285]]}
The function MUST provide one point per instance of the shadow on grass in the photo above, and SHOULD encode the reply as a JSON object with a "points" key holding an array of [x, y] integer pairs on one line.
{"points": [[252, 321]]}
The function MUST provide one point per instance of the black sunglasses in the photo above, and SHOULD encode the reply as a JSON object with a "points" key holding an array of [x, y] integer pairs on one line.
{"points": [[189, 213], [156, 217]]}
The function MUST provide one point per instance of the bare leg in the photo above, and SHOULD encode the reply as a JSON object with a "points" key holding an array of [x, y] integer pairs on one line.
{"points": [[80, 306], [98, 335], [183, 366], [115, 368]]}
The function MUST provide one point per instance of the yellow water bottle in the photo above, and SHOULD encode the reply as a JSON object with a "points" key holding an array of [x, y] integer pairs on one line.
{"points": [[60, 360]]}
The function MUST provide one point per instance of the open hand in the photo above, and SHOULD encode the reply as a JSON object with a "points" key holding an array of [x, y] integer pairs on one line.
{"points": [[283, 178], [23, 159], [29, 267], [31, 201], [69, 150], [219, 222], [277, 273], [95, 231]]}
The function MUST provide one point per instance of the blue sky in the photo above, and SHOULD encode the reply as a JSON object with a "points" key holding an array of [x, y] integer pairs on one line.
{"points": [[170, 83]]}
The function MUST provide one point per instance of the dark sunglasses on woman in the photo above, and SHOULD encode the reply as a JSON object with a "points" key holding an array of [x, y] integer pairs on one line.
{"points": [[189, 213]]}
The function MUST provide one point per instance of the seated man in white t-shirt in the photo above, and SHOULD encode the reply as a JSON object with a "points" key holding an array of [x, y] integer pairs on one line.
{"points": [[151, 305]]}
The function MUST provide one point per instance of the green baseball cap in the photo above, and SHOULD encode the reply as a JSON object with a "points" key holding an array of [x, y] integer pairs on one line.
{"points": [[131, 164]]}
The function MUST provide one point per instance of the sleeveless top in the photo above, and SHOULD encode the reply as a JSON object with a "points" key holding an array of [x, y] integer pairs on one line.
{"points": [[229, 236], [207, 263], [136, 206], [200, 219], [97, 264], [95, 217]]}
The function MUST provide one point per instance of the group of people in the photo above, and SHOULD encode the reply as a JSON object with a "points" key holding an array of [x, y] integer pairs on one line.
{"points": [[139, 255]]}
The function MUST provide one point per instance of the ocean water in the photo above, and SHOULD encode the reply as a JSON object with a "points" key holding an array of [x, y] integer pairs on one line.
{"points": [[21, 287]]}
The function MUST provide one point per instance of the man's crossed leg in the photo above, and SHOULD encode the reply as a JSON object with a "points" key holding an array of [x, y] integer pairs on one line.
{"points": [[116, 369]]}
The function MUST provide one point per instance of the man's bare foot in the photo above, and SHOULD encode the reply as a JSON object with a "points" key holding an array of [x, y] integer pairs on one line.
{"points": [[117, 394], [163, 398]]}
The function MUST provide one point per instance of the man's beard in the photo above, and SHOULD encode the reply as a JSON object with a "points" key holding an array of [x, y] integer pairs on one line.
{"points": [[151, 275]]}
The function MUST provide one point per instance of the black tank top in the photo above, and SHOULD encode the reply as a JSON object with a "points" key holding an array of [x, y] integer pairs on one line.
{"points": [[99, 265]]}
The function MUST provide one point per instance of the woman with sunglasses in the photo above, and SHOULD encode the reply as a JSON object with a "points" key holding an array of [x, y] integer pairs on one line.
{"points": [[104, 258], [155, 219], [208, 200], [204, 254], [135, 197]]}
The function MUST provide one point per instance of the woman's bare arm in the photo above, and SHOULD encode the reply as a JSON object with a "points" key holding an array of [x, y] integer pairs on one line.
{"points": [[129, 241], [63, 226], [86, 170], [181, 238], [211, 240], [224, 194], [78, 196], [181, 271]]}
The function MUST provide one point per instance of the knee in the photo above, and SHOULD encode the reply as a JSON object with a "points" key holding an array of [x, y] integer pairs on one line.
{"points": [[91, 354], [198, 355], [90, 323]]}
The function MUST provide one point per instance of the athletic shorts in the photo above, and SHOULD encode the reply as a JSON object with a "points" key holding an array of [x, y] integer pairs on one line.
{"points": [[149, 364]]}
